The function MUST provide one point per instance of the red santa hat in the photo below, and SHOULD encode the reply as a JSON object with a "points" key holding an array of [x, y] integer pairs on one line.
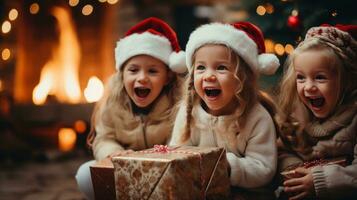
{"points": [[152, 37], [244, 38]]}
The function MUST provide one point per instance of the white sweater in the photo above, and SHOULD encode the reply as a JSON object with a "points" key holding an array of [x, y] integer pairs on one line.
{"points": [[251, 151]]}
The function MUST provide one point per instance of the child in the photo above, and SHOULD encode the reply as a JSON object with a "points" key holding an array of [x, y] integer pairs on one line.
{"points": [[318, 120], [222, 107], [136, 113]]}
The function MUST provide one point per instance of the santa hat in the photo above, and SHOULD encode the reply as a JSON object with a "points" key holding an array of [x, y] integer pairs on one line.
{"points": [[244, 38], [152, 37]]}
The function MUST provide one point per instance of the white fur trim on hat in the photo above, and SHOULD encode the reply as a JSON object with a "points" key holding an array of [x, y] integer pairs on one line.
{"points": [[177, 62], [238, 40], [217, 33], [268, 63], [142, 44]]}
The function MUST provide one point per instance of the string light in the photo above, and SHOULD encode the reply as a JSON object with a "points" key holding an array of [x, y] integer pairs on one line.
{"points": [[112, 1], [261, 10], [13, 14], [87, 10], [279, 49], [34, 8], [73, 2], [6, 26], [5, 54]]}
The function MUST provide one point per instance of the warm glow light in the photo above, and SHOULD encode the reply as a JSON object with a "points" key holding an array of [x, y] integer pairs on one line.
{"points": [[73, 2], [59, 76], [1, 87], [279, 49], [5, 54], [270, 8], [6, 26], [294, 12], [269, 45], [289, 48], [334, 14], [102, 1], [34, 8], [261, 10], [66, 139], [13, 14], [80, 126], [87, 9], [112, 1], [94, 90]]}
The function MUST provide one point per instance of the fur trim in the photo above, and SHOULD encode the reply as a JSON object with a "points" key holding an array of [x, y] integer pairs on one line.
{"points": [[177, 62], [226, 34], [268, 63], [145, 43]]}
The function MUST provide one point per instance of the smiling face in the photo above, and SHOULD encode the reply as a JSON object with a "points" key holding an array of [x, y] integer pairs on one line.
{"points": [[318, 85], [144, 77], [214, 78]]}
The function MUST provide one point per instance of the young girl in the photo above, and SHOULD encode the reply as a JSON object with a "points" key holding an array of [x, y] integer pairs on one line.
{"points": [[318, 120], [137, 111], [222, 106]]}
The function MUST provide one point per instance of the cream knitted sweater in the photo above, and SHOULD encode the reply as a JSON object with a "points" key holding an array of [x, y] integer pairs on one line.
{"points": [[251, 150]]}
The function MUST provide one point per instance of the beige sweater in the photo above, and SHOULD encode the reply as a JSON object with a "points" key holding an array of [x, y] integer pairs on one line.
{"points": [[137, 132], [251, 151], [334, 138]]}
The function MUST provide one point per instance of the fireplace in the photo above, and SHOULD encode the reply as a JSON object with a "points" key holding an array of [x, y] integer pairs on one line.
{"points": [[64, 56]]}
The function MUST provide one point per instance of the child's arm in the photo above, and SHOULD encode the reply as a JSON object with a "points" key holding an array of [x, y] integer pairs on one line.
{"points": [[259, 163], [105, 143]]}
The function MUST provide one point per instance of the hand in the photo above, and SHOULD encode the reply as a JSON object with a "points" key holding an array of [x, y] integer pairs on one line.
{"points": [[301, 187]]}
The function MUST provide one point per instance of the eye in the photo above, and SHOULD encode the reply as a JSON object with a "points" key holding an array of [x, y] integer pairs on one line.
{"points": [[300, 77], [320, 77], [153, 71], [133, 69], [200, 67], [222, 67]]}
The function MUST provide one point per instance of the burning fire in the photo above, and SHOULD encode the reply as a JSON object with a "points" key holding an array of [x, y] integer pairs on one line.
{"points": [[59, 76]]}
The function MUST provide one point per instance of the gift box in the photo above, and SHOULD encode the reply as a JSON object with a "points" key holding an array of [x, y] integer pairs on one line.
{"points": [[102, 173], [172, 173], [291, 173]]}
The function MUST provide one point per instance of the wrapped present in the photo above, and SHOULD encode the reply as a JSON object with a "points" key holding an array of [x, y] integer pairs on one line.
{"points": [[102, 173], [172, 173], [291, 173]]}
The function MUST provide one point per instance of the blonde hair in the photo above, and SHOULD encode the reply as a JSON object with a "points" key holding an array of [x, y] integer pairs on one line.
{"points": [[247, 95], [289, 100], [116, 103]]}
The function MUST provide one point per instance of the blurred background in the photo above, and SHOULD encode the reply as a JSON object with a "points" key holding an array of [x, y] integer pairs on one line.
{"points": [[56, 55]]}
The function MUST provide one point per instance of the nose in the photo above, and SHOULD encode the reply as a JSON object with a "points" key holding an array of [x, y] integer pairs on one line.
{"points": [[143, 78], [310, 86], [210, 77]]}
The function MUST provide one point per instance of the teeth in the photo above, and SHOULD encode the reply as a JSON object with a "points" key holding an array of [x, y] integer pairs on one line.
{"points": [[142, 92], [212, 92]]}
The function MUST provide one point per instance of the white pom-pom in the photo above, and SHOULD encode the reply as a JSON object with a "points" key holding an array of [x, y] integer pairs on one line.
{"points": [[268, 63], [177, 62]]}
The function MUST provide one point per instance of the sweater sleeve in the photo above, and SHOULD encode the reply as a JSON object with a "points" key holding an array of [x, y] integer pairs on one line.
{"points": [[334, 181], [258, 166], [105, 143]]}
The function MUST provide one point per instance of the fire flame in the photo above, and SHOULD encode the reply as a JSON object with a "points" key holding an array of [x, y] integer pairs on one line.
{"points": [[94, 90], [59, 75]]}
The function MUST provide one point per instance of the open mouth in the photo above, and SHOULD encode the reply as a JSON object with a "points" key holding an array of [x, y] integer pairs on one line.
{"points": [[317, 102], [142, 92], [210, 92]]}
